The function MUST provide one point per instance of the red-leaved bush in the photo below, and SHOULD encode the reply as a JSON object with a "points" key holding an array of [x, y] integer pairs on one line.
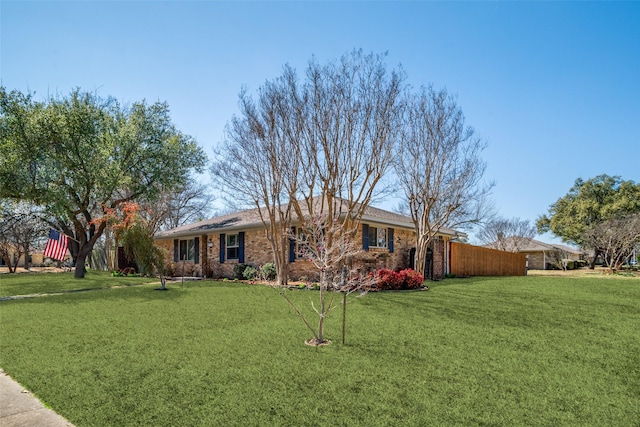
{"points": [[403, 279], [388, 279], [411, 278]]}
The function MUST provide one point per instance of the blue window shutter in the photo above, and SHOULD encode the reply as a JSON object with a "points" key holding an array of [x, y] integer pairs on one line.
{"points": [[365, 237], [292, 245], [196, 250], [222, 245], [241, 247], [390, 239], [175, 250]]}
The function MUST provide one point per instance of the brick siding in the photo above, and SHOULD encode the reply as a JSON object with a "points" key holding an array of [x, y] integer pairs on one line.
{"points": [[258, 252]]}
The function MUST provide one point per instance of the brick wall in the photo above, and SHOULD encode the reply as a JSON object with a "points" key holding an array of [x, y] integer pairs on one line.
{"points": [[377, 258], [439, 264], [536, 261], [258, 252], [167, 245]]}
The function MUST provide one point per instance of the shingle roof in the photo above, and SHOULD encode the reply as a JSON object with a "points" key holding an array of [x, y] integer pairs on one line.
{"points": [[533, 245], [250, 218]]}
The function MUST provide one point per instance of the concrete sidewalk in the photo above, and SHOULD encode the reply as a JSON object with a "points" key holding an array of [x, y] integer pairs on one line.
{"points": [[19, 408]]}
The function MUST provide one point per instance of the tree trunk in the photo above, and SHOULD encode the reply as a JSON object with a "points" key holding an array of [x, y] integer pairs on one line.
{"points": [[27, 264], [592, 264], [421, 255], [281, 279], [16, 261], [322, 313], [344, 315], [83, 252], [282, 270], [7, 260]]}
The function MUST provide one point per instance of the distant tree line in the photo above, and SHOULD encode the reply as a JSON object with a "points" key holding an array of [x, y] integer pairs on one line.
{"points": [[602, 215]]}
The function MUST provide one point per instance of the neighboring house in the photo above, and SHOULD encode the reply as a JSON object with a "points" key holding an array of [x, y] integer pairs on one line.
{"points": [[545, 256], [215, 245], [36, 259]]}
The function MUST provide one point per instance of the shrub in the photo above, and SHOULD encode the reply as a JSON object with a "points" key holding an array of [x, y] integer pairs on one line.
{"points": [[238, 271], [196, 271], [182, 268], [411, 279], [191, 269], [250, 272], [268, 271], [170, 269], [388, 279], [391, 280]]}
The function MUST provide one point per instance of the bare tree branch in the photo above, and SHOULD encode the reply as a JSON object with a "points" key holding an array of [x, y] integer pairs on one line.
{"points": [[509, 235], [439, 167]]}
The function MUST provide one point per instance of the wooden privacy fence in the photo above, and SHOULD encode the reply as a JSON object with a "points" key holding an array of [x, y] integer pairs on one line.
{"points": [[468, 260]]}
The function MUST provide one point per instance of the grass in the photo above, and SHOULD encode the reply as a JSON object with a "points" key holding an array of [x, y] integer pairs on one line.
{"points": [[485, 351], [43, 283]]}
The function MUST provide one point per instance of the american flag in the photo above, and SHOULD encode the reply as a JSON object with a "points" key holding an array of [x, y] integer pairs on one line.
{"points": [[56, 245]]}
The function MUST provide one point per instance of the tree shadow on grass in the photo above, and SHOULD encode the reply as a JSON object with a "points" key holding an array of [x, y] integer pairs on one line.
{"points": [[146, 292]]}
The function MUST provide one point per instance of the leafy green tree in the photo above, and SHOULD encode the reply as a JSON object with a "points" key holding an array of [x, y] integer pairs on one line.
{"points": [[81, 155], [587, 204]]}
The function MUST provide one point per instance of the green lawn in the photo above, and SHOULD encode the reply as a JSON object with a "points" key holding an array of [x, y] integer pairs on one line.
{"points": [[44, 283], [510, 351]]}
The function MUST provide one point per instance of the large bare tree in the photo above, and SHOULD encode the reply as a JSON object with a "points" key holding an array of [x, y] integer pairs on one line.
{"points": [[350, 112], [22, 228], [439, 167], [314, 149], [616, 239], [509, 235], [317, 148], [187, 203], [257, 164]]}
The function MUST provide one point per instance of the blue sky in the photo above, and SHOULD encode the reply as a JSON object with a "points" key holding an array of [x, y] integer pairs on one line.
{"points": [[553, 87]]}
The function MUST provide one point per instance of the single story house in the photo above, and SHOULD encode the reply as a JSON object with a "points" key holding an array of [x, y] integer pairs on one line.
{"points": [[212, 247], [36, 259], [545, 256]]}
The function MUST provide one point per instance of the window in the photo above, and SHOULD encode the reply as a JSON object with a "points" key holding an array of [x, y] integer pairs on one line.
{"points": [[377, 237], [187, 250], [233, 246]]}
